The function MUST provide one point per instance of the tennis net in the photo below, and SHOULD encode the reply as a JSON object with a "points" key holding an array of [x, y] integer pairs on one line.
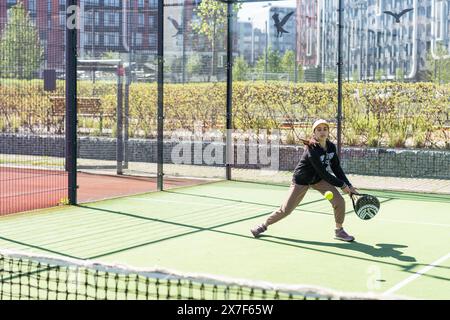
{"points": [[29, 276]]}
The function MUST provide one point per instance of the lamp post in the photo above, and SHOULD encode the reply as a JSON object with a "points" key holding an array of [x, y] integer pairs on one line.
{"points": [[360, 50], [252, 57], [184, 45], [267, 42], [348, 52], [375, 36], [296, 49], [265, 55]]}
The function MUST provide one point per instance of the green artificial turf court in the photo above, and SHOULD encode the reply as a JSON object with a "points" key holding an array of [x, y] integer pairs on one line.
{"points": [[205, 229]]}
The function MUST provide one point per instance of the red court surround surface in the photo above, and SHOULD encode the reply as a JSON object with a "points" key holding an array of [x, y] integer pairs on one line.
{"points": [[28, 189]]}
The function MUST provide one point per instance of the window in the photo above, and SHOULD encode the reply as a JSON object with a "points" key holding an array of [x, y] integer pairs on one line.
{"points": [[153, 3], [152, 40], [439, 22], [90, 17], [140, 3], [422, 11], [138, 39], [97, 39], [62, 18], [151, 21], [90, 35], [222, 61], [141, 19], [111, 38], [32, 6], [112, 19], [112, 3]]}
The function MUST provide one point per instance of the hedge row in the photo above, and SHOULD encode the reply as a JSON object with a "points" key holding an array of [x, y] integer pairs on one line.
{"points": [[374, 114]]}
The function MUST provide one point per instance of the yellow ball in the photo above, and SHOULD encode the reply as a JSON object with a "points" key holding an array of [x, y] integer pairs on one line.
{"points": [[328, 195]]}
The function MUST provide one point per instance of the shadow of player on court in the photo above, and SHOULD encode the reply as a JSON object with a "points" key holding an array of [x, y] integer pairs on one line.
{"points": [[380, 250]]}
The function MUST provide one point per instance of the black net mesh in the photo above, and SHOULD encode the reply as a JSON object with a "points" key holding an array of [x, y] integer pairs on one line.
{"points": [[30, 277]]}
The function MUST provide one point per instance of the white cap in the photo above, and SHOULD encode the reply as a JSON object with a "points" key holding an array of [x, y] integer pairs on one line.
{"points": [[320, 121]]}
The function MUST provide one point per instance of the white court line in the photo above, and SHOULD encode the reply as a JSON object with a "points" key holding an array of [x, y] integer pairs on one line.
{"points": [[416, 275]]}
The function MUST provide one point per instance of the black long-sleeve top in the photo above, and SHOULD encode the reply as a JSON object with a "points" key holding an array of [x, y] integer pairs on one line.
{"points": [[316, 164]]}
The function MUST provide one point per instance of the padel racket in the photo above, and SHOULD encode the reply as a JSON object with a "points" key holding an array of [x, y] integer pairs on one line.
{"points": [[366, 206]]}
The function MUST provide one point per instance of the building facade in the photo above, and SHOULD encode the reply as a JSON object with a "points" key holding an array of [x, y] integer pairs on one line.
{"points": [[49, 18], [251, 42], [308, 35], [119, 26], [376, 44]]}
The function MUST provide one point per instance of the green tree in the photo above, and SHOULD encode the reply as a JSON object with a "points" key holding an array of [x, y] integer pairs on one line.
{"points": [[194, 65], [300, 73], [438, 65], [379, 74], [330, 75], [355, 75], [212, 21], [110, 55], [288, 64], [240, 69], [21, 52], [399, 75], [274, 64]]}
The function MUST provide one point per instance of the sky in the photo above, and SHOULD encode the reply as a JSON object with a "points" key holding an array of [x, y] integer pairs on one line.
{"points": [[256, 11]]}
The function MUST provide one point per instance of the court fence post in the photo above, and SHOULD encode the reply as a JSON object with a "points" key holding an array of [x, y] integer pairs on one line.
{"points": [[229, 106], [119, 134], [71, 103], [339, 65], [160, 114]]}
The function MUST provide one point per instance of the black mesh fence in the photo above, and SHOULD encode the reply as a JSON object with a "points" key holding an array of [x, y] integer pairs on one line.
{"points": [[395, 91], [32, 141]]}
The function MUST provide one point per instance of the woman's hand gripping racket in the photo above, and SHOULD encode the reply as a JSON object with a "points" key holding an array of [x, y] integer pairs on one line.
{"points": [[366, 206]]}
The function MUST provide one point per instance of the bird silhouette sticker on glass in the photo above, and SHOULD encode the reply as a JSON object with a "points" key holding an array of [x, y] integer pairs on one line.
{"points": [[177, 27], [397, 16], [280, 24]]}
